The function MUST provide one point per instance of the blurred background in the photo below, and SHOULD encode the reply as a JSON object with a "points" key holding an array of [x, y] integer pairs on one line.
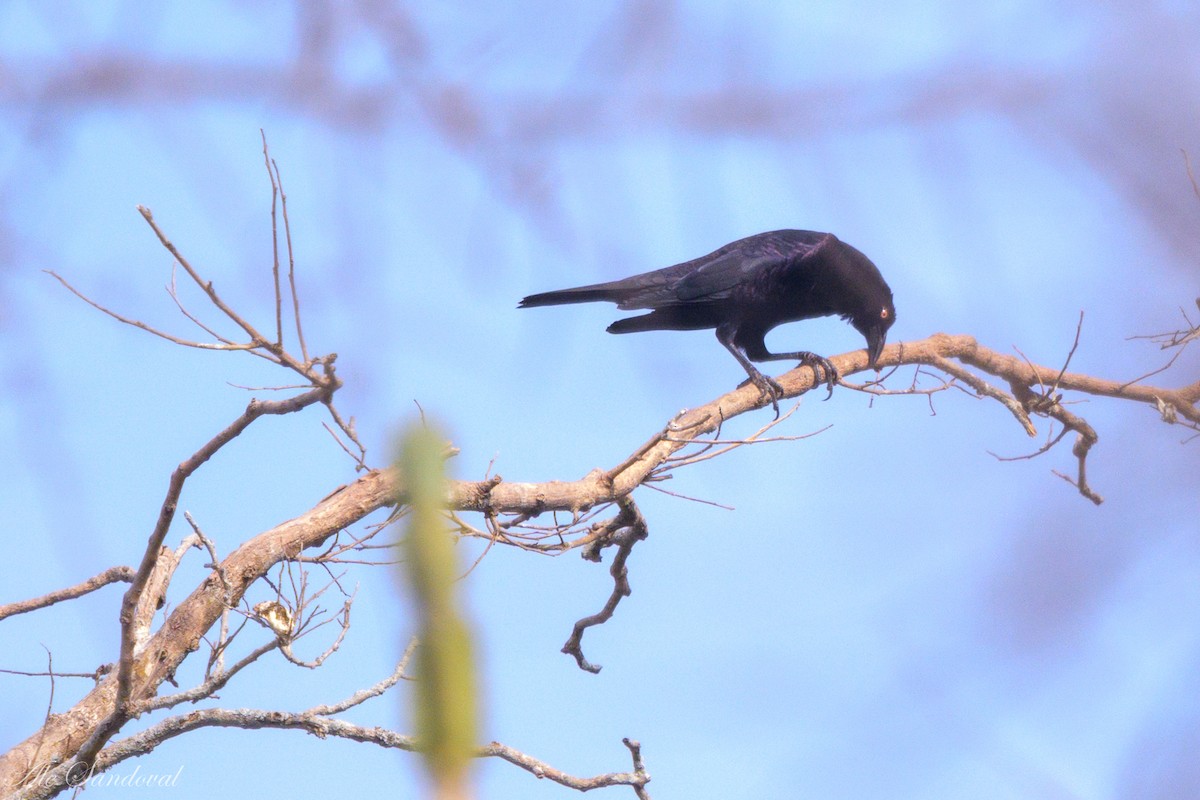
{"points": [[887, 611]]}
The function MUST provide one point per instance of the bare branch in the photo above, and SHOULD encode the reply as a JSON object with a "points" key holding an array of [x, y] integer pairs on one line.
{"points": [[1086, 439], [286, 646], [212, 684], [1187, 162], [363, 695], [494, 496], [637, 779], [706, 451], [173, 293], [317, 721], [347, 427], [274, 240], [110, 575], [94, 675], [223, 345], [1174, 339], [655, 487], [323, 727], [1070, 355], [257, 339], [625, 530], [216, 658], [287, 232]]}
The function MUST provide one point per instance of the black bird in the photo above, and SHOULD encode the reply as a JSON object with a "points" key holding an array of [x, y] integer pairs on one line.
{"points": [[748, 287]]}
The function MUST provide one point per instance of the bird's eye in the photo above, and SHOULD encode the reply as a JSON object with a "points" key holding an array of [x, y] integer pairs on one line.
{"points": [[883, 314]]}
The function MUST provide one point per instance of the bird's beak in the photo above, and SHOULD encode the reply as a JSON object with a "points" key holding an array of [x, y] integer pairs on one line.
{"points": [[876, 339]]}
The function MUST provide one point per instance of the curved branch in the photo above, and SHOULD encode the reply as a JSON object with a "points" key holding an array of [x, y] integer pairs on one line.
{"points": [[58, 741], [625, 530]]}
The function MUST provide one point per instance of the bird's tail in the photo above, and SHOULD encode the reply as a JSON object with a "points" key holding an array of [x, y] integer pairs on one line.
{"points": [[580, 294], [643, 322]]}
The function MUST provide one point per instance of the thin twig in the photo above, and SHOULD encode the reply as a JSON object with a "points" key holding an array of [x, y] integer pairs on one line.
{"points": [[985, 389], [143, 326], [363, 695], [689, 497], [206, 286], [1187, 162], [174, 295], [274, 241], [287, 232]]}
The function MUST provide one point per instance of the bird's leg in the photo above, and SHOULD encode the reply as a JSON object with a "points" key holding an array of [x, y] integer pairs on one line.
{"points": [[828, 373], [768, 386]]}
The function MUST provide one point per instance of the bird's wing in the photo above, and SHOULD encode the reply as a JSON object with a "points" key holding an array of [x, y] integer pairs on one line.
{"points": [[714, 276]]}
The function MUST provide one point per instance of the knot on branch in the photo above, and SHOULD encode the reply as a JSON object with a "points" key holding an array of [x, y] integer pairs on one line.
{"points": [[1040, 403]]}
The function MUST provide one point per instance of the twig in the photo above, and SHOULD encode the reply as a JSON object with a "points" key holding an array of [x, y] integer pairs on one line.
{"points": [[1187, 162], [1179, 338], [110, 575], [286, 646], [1070, 355], [287, 232], [216, 657], [637, 779], [985, 389], [211, 685], [206, 286], [363, 695], [174, 295], [143, 326], [1043, 449], [689, 497], [274, 241]]}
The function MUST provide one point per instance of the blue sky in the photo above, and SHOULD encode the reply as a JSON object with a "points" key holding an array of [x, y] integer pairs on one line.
{"points": [[888, 611]]}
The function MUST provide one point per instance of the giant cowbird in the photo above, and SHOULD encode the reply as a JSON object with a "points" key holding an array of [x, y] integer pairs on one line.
{"points": [[748, 287]]}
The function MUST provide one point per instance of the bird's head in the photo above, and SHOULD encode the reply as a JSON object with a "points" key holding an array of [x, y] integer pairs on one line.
{"points": [[873, 324], [859, 294]]}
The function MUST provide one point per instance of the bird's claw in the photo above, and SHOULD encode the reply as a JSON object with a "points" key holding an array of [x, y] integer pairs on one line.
{"points": [[827, 374], [768, 386]]}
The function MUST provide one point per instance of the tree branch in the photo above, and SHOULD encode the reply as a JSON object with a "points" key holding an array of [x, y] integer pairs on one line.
{"points": [[110, 575], [58, 740], [624, 530]]}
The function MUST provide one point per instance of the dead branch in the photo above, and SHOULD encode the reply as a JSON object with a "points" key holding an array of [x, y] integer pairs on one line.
{"points": [[322, 727], [318, 721], [286, 645], [363, 695], [211, 685], [637, 779], [708, 447], [624, 530], [110, 575], [254, 410], [142, 599], [376, 489], [277, 191], [1172, 339], [57, 741]]}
